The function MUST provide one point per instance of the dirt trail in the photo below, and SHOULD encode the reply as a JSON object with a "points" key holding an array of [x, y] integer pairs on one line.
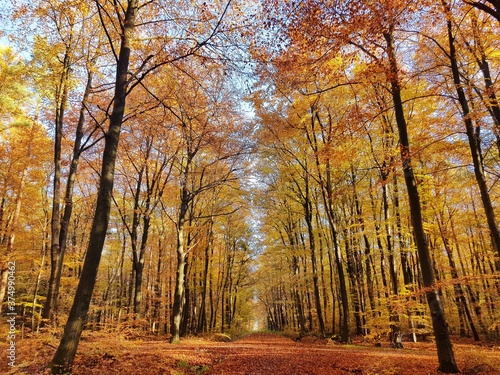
{"points": [[256, 354], [261, 354]]}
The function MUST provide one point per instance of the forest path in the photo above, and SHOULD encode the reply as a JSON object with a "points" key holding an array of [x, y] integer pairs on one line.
{"points": [[102, 353], [266, 354], [270, 354]]}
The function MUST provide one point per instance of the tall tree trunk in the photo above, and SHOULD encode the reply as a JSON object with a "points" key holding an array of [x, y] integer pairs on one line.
{"points": [[158, 291], [11, 235], [405, 262], [57, 257], [491, 103], [202, 321], [353, 282], [312, 248], [474, 143], [146, 222], [444, 348], [462, 305], [65, 354], [393, 316], [186, 307], [55, 271], [178, 305], [45, 236], [327, 195]]}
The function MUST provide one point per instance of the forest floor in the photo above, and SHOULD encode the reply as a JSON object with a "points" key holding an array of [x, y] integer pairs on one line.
{"points": [[254, 354]]}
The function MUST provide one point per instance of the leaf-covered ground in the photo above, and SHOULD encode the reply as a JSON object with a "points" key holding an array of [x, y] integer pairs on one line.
{"points": [[255, 354]]}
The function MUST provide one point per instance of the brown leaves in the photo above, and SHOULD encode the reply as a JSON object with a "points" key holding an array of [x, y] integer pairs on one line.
{"points": [[254, 354]]}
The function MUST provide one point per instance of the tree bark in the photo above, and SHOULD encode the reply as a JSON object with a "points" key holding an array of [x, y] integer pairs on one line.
{"points": [[307, 205], [57, 254], [177, 307], [444, 348], [55, 270], [65, 354], [474, 144]]}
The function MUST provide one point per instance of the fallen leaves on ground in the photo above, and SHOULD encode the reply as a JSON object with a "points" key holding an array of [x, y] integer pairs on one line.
{"points": [[255, 354]]}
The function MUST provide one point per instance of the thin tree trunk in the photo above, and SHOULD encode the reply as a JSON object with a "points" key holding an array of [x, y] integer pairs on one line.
{"points": [[55, 270], [202, 321], [11, 235], [312, 248], [57, 257], [178, 305], [462, 305], [474, 144], [393, 316]]}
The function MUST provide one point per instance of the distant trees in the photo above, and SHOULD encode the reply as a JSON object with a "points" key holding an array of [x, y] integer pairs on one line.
{"points": [[358, 92], [359, 192]]}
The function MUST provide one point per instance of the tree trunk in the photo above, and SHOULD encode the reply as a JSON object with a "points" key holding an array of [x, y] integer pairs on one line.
{"points": [[460, 300], [177, 307], [327, 195], [202, 321], [57, 257], [312, 248], [444, 348], [65, 354], [11, 235], [55, 270], [393, 316], [353, 282], [474, 145]]}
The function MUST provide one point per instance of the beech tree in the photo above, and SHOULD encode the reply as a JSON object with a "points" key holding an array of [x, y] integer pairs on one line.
{"points": [[332, 173], [473, 137], [64, 356], [11, 71], [384, 26], [146, 170], [203, 120]]}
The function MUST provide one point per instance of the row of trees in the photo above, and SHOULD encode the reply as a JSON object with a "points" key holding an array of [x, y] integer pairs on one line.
{"points": [[127, 168], [380, 158], [136, 105]]}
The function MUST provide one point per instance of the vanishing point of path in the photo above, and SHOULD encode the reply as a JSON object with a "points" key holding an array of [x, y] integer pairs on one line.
{"points": [[263, 354], [256, 354]]}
